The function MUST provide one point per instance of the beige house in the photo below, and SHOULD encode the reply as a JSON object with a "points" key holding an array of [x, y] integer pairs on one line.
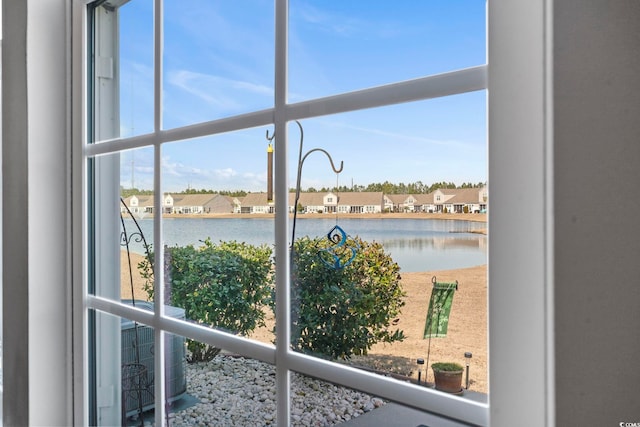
{"points": [[360, 202], [256, 203], [315, 202], [352, 202], [202, 204], [138, 204], [399, 202], [458, 200], [465, 200], [461, 200], [183, 204]]}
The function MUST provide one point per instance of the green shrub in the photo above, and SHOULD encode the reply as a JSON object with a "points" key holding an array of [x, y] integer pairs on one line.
{"points": [[225, 286], [339, 312]]}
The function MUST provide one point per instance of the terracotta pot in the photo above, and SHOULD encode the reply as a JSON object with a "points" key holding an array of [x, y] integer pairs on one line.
{"points": [[448, 381]]}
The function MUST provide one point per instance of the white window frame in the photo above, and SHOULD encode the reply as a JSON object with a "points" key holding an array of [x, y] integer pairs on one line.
{"points": [[282, 113], [282, 356], [521, 323]]}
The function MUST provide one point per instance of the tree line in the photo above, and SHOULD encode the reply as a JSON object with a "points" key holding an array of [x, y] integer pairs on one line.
{"points": [[386, 187]]}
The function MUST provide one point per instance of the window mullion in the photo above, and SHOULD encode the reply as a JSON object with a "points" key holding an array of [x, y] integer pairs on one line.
{"points": [[158, 274], [283, 324], [420, 89]]}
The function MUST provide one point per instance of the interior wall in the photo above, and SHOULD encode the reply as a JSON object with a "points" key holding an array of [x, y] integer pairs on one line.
{"points": [[35, 200], [597, 201], [14, 201]]}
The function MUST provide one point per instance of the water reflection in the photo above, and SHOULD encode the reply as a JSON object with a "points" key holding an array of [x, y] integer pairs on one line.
{"points": [[438, 242], [416, 245], [438, 252]]}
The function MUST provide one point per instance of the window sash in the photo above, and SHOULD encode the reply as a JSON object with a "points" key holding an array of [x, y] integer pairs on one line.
{"points": [[283, 357]]}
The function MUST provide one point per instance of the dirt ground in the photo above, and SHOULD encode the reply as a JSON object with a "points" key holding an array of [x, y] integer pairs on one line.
{"points": [[467, 330]]}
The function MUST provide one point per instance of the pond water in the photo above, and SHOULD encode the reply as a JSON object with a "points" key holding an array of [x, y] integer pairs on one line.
{"points": [[415, 244]]}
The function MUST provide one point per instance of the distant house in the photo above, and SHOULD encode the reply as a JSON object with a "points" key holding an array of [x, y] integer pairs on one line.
{"points": [[360, 202], [202, 204], [133, 204], [183, 204], [424, 203], [366, 202], [167, 204], [458, 200], [138, 204], [256, 203], [399, 203], [466, 200], [219, 204], [190, 203], [315, 202]]}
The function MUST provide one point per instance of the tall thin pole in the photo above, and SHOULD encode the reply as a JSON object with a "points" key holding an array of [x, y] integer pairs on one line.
{"points": [[270, 173]]}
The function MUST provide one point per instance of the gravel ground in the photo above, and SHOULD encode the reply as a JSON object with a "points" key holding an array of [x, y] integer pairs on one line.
{"points": [[234, 391]]}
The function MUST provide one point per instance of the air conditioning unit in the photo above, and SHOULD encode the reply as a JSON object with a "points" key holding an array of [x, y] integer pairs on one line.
{"points": [[138, 364]]}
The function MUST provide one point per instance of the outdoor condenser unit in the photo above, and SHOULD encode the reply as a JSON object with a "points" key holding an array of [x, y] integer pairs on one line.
{"points": [[175, 361]]}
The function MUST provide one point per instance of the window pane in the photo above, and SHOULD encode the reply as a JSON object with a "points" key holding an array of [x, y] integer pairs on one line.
{"points": [[219, 262], [121, 227], [338, 47], [231, 163], [135, 62], [407, 210], [317, 402], [122, 81], [224, 389], [218, 60], [425, 142], [125, 352]]}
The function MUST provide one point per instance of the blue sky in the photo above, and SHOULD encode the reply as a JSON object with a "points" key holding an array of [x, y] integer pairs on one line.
{"points": [[218, 62]]}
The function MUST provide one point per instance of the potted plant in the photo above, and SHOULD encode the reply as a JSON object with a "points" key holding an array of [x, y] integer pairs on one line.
{"points": [[448, 376]]}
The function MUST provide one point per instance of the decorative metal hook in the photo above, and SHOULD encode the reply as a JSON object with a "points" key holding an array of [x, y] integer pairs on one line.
{"points": [[270, 138], [328, 156], [301, 160]]}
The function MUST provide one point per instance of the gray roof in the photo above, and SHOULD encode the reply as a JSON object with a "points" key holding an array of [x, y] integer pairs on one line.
{"points": [[192, 199], [361, 198]]}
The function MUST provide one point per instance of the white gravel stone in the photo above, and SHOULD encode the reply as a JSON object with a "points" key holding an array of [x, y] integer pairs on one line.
{"points": [[234, 391]]}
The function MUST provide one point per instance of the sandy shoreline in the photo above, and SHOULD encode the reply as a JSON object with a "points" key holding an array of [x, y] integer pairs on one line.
{"points": [[467, 324], [407, 215]]}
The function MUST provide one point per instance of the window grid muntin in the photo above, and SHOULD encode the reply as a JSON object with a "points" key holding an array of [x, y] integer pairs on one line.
{"points": [[286, 360]]}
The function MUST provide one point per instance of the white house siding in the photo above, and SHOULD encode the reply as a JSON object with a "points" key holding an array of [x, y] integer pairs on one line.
{"points": [[314, 209], [453, 200]]}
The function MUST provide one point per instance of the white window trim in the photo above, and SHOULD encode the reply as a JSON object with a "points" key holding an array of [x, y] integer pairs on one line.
{"points": [[519, 89], [521, 317]]}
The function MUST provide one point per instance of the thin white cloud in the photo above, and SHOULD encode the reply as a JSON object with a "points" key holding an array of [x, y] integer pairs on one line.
{"points": [[349, 26], [393, 136], [144, 169], [172, 168], [226, 173], [332, 23], [217, 91], [179, 177]]}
